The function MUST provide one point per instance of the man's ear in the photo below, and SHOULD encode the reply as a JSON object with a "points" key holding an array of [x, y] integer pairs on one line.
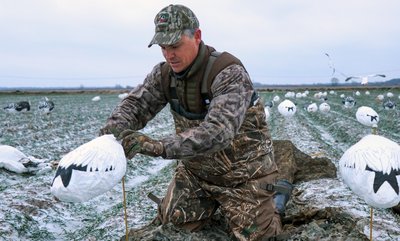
{"points": [[197, 35]]}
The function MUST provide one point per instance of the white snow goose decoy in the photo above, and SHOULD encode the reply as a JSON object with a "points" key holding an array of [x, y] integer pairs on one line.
{"points": [[21, 106], [324, 107], [389, 105], [12, 159], [267, 114], [367, 116], [349, 102], [46, 105], [371, 169], [287, 108], [89, 170], [96, 98], [276, 98], [123, 95], [313, 107]]}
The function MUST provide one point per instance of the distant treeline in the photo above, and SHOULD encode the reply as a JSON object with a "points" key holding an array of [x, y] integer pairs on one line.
{"points": [[393, 83]]}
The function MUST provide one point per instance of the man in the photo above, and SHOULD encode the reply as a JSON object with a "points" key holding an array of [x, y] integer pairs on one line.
{"points": [[222, 140]]}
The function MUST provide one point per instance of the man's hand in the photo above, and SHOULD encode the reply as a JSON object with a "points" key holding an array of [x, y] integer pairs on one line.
{"points": [[135, 142]]}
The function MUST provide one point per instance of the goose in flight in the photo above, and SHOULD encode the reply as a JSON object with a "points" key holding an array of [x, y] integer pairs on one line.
{"points": [[331, 64], [364, 79]]}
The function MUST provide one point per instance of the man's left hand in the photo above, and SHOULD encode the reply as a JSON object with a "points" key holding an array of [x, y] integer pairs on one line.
{"points": [[135, 142]]}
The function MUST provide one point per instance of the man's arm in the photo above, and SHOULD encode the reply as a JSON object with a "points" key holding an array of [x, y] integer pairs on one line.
{"points": [[140, 106]]}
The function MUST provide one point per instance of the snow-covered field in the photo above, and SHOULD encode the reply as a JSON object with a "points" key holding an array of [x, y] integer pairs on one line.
{"points": [[28, 211]]}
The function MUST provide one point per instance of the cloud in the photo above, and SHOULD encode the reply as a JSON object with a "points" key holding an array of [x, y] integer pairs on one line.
{"points": [[275, 39]]}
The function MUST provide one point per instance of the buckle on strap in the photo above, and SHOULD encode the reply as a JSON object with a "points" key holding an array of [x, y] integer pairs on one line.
{"points": [[270, 187], [276, 188]]}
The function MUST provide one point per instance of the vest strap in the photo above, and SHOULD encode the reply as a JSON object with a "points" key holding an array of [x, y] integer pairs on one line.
{"points": [[217, 61]]}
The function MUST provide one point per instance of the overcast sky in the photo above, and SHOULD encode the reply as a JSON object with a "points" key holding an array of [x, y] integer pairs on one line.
{"points": [[72, 43]]}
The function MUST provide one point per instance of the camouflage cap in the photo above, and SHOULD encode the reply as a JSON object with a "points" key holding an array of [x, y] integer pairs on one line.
{"points": [[170, 23]]}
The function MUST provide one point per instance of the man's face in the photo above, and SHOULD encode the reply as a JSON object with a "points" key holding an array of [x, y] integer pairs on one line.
{"points": [[180, 55]]}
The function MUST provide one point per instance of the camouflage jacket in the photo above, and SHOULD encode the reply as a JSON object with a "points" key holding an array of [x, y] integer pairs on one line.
{"points": [[230, 146]]}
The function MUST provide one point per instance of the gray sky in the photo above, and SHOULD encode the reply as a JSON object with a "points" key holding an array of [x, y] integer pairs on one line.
{"points": [[56, 43]]}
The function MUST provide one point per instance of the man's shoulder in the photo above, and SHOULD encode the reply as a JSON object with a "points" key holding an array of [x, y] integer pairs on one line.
{"points": [[222, 62]]}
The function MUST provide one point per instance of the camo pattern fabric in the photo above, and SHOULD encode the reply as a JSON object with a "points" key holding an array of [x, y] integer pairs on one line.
{"points": [[170, 23], [246, 157], [232, 144], [249, 210]]}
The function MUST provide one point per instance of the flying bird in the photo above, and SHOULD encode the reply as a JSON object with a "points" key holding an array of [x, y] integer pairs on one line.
{"points": [[364, 79], [331, 65], [89, 170]]}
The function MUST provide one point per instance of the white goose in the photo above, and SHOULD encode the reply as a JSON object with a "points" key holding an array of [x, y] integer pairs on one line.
{"points": [[267, 114], [389, 105], [46, 106], [313, 107], [380, 97], [349, 102], [324, 107], [371, 169], [89, 170], [11, 159], [367, 116], [364, 79], [15, 161], [123, 95], [96, 98], [276, 98], [287, 108]]}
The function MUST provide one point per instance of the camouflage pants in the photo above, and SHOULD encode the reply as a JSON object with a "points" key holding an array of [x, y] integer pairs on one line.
{"points": [[250, 210]]}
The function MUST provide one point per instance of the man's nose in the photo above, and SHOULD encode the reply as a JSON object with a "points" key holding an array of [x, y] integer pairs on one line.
{"points": [[169, 53]]}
